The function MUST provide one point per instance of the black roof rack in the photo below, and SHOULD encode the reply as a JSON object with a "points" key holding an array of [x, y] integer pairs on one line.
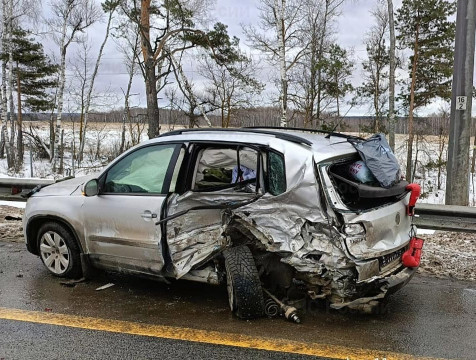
{"points": [[278, 135], [328, 133]]}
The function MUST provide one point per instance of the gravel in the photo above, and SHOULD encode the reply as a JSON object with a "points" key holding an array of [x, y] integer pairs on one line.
{"points": [[449, 254], [11, 229]]}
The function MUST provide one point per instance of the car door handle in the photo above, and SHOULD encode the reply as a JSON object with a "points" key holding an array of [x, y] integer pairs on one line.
{"points": [[148, 215]]}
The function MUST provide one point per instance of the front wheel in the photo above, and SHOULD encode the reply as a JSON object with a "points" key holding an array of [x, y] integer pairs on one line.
{"points": [[243, 284], [59, 251]]}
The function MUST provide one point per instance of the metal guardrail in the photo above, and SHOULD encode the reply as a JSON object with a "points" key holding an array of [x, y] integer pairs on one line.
{"points": [[428, 216], [446, 217], [12, 188]]}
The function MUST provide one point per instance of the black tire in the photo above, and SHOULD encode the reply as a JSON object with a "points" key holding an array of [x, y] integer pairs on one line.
{"points": [[243, 284], [64, 240]]}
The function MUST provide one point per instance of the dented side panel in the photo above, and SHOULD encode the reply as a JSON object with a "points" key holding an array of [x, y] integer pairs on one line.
{"points": [[194, 237]]}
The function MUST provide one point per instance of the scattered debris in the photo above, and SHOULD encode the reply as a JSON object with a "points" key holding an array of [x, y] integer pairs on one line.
{"points": [[107, 286], [72, 283], [12, 218], [290, 312], [68, 284]]}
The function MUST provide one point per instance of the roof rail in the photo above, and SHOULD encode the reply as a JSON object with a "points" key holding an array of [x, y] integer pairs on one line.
{"points": [[328, 133], [278, 135]]}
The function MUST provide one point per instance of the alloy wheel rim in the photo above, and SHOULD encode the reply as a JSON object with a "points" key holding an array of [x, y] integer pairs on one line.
{"points": [[54, 252]]}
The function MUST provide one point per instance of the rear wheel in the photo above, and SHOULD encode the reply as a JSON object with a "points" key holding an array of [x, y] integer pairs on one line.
{"points": [[243, 284], [59, 251]]}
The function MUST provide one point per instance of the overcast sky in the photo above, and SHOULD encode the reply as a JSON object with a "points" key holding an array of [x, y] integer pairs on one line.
{"points": [[352, 25]]}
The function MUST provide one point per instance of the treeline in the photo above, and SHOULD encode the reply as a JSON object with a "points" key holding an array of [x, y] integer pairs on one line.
{"points": [[171, 119]]}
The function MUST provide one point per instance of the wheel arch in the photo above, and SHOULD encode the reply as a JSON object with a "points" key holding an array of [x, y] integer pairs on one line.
{"points": [[34, 224]]}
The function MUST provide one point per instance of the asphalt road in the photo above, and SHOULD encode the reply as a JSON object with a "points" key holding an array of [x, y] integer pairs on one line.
{"points": [[142, 319]]}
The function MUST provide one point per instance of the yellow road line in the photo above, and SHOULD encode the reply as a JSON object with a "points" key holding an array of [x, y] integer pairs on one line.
{"points": [[202, 336]]}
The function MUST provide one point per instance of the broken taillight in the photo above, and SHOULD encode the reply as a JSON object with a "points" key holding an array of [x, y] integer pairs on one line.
{"points": [[411, 257]]}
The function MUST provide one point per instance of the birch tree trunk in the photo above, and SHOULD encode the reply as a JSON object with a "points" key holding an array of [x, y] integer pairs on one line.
{"points": [[3, 124], [127, 113], [19, 126], [4, 99], [376, 101], [391, 80], [10, 76], [409, 175], [280, 7], [75, 16], [91, 86], [60, 97]]}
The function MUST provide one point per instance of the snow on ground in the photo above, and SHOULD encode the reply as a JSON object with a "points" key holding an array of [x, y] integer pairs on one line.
{"points": [[102, 144], [17, 204]]}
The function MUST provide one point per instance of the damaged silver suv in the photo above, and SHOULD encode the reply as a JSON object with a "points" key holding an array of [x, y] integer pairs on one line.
{"points": [[280, 215]]}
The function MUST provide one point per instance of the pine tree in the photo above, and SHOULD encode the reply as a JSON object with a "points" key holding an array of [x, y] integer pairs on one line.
{"points": [[424, 28], [337, 70], [34, 76]]}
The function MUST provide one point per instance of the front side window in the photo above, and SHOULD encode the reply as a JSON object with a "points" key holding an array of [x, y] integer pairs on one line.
{"points": [[141, 172]]}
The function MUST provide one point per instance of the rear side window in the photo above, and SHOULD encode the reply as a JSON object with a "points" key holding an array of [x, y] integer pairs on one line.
{"points": [[220, 168], [276, 173]]}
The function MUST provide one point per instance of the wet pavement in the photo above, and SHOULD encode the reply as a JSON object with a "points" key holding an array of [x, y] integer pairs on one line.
{"points": [[429, 317]]}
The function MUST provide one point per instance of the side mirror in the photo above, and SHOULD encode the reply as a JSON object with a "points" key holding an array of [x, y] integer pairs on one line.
{"points": [[91, 188]]}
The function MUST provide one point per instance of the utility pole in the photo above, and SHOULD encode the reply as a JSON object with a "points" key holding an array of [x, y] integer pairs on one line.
{"points": [[457, 168]]}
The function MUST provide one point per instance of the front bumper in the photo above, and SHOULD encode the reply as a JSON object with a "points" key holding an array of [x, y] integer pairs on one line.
{"points": [[387, 285]]}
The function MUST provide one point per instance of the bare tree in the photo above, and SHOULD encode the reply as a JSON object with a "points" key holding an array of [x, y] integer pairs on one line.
{"points": [[130, 62], [232, 87], [187, 89], [109, 7], [70, 17], [279, 36], [309, 78], [128, 44]]}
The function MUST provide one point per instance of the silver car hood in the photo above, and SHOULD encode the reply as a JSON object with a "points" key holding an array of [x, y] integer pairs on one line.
{"points": [[64, 188]]}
